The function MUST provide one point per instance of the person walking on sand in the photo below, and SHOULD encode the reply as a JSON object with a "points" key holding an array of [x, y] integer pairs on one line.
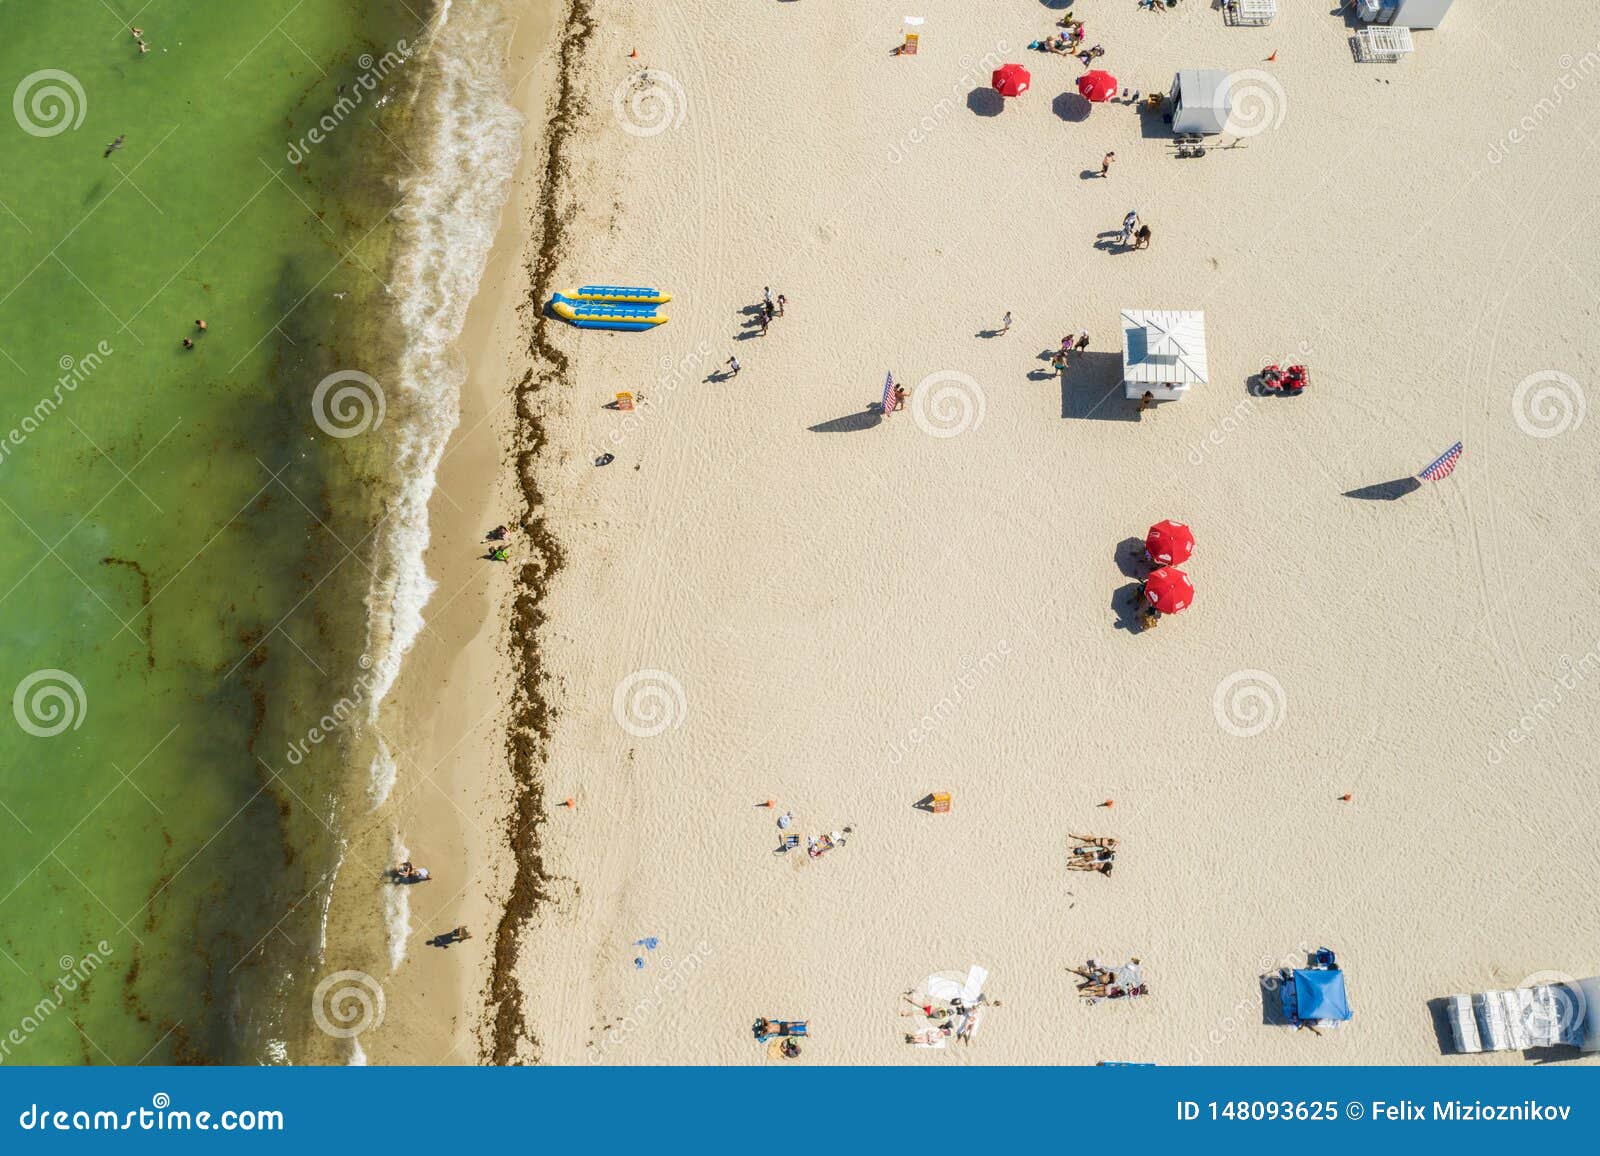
{"points": [[766, 320], [1129, 224], [766, 297], [1105, 164], [899, 397], [1059, 361], [1005, 322], [782, 301], [1147, 401], [1141, 239], [1082, 343], [733, 363]]}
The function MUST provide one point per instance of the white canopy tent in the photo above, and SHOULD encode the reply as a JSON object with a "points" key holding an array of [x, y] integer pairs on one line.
{"points": [[1200, 101], [1163, 352]]}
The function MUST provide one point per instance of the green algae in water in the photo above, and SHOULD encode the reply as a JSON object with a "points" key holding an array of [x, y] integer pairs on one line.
{"points": [[181, 577]]}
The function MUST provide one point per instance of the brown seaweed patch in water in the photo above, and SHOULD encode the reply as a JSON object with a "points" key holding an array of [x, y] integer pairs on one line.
{"points": [[144, 607]]}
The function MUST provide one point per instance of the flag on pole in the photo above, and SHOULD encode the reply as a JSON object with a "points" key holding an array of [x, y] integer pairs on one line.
{"points": [[888, 394], [1443, 466]]}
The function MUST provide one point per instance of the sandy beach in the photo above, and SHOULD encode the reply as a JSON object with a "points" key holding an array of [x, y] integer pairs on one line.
{"points": [[774, 593]]}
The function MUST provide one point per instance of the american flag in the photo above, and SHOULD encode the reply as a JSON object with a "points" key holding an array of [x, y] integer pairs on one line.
{"points": [[1443, 466], [888, 394]]}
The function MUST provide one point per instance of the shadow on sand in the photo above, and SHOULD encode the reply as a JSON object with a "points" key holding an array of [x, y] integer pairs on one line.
{"points": [[1092, 388], [1385, 491], [986, 102], [862, 419], [1131, 560]]}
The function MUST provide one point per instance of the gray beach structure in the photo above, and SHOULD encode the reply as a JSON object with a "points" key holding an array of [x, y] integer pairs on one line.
{"points": [[1403, 13], [1200, 101]]}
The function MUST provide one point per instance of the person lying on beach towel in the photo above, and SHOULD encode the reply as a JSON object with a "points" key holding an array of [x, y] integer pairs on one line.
{"points": [[1093, 840]]}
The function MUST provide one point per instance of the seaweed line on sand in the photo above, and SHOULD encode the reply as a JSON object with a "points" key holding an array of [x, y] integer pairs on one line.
{"points": [[529, 731]]}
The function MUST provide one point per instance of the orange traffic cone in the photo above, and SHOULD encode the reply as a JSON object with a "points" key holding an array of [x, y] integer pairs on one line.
{"points": [[634, 55], [1107, 803], [1273, 57], [768, 803], [1345, 798], [568, 803]]}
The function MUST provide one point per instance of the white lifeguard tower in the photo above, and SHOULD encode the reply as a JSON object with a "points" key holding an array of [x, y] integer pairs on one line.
{"points": [[1163, 352]]}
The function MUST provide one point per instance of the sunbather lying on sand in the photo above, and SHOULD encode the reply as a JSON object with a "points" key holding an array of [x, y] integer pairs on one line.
{"points": [[1093, 840], [1101, 865]]}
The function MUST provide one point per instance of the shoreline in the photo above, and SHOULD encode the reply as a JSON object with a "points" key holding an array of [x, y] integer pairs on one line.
{"points": [[437, 725]]}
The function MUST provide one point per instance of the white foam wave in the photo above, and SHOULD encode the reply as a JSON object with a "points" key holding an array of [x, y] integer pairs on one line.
{"points": [[382, 776], [468, 140], [358, 1057], [397, 910]]}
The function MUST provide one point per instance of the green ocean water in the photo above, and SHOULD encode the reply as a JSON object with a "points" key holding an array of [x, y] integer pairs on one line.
{"points": [[180, 543]]}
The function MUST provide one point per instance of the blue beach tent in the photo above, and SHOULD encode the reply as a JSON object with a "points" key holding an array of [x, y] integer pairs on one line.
{"points": [[1314, 995]]}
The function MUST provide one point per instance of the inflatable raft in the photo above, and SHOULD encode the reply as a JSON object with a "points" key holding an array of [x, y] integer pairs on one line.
{"points": [[606, 315], [624, 294]]}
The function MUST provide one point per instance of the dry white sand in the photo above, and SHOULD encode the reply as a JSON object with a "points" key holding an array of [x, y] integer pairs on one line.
{"points": [[846, 614]]}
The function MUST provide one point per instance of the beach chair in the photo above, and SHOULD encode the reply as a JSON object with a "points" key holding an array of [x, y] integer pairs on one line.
{"points": [[789, 843], [1385, 45], [1250, 13], [1323, 958]]}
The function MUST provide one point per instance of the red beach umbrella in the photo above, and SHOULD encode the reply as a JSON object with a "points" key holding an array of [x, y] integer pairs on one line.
{"points": [[1169, 542], [1169, 590], [1097, 86], [1011, 80]]}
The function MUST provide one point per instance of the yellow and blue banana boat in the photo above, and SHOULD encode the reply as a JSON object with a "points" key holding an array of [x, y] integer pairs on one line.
{"points": [[605, 314], [621, 294]]}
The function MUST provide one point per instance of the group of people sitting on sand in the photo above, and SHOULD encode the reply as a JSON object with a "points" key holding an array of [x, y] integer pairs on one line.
{"points": [[947, 1018], [1101, 983], [1092, 853]]}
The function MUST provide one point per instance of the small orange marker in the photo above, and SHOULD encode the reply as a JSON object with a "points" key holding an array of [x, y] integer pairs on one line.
{"points": [[1107, 803], [634, 55], [568, 803], [1273, 57], [1345, 798], [768, 803]]}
